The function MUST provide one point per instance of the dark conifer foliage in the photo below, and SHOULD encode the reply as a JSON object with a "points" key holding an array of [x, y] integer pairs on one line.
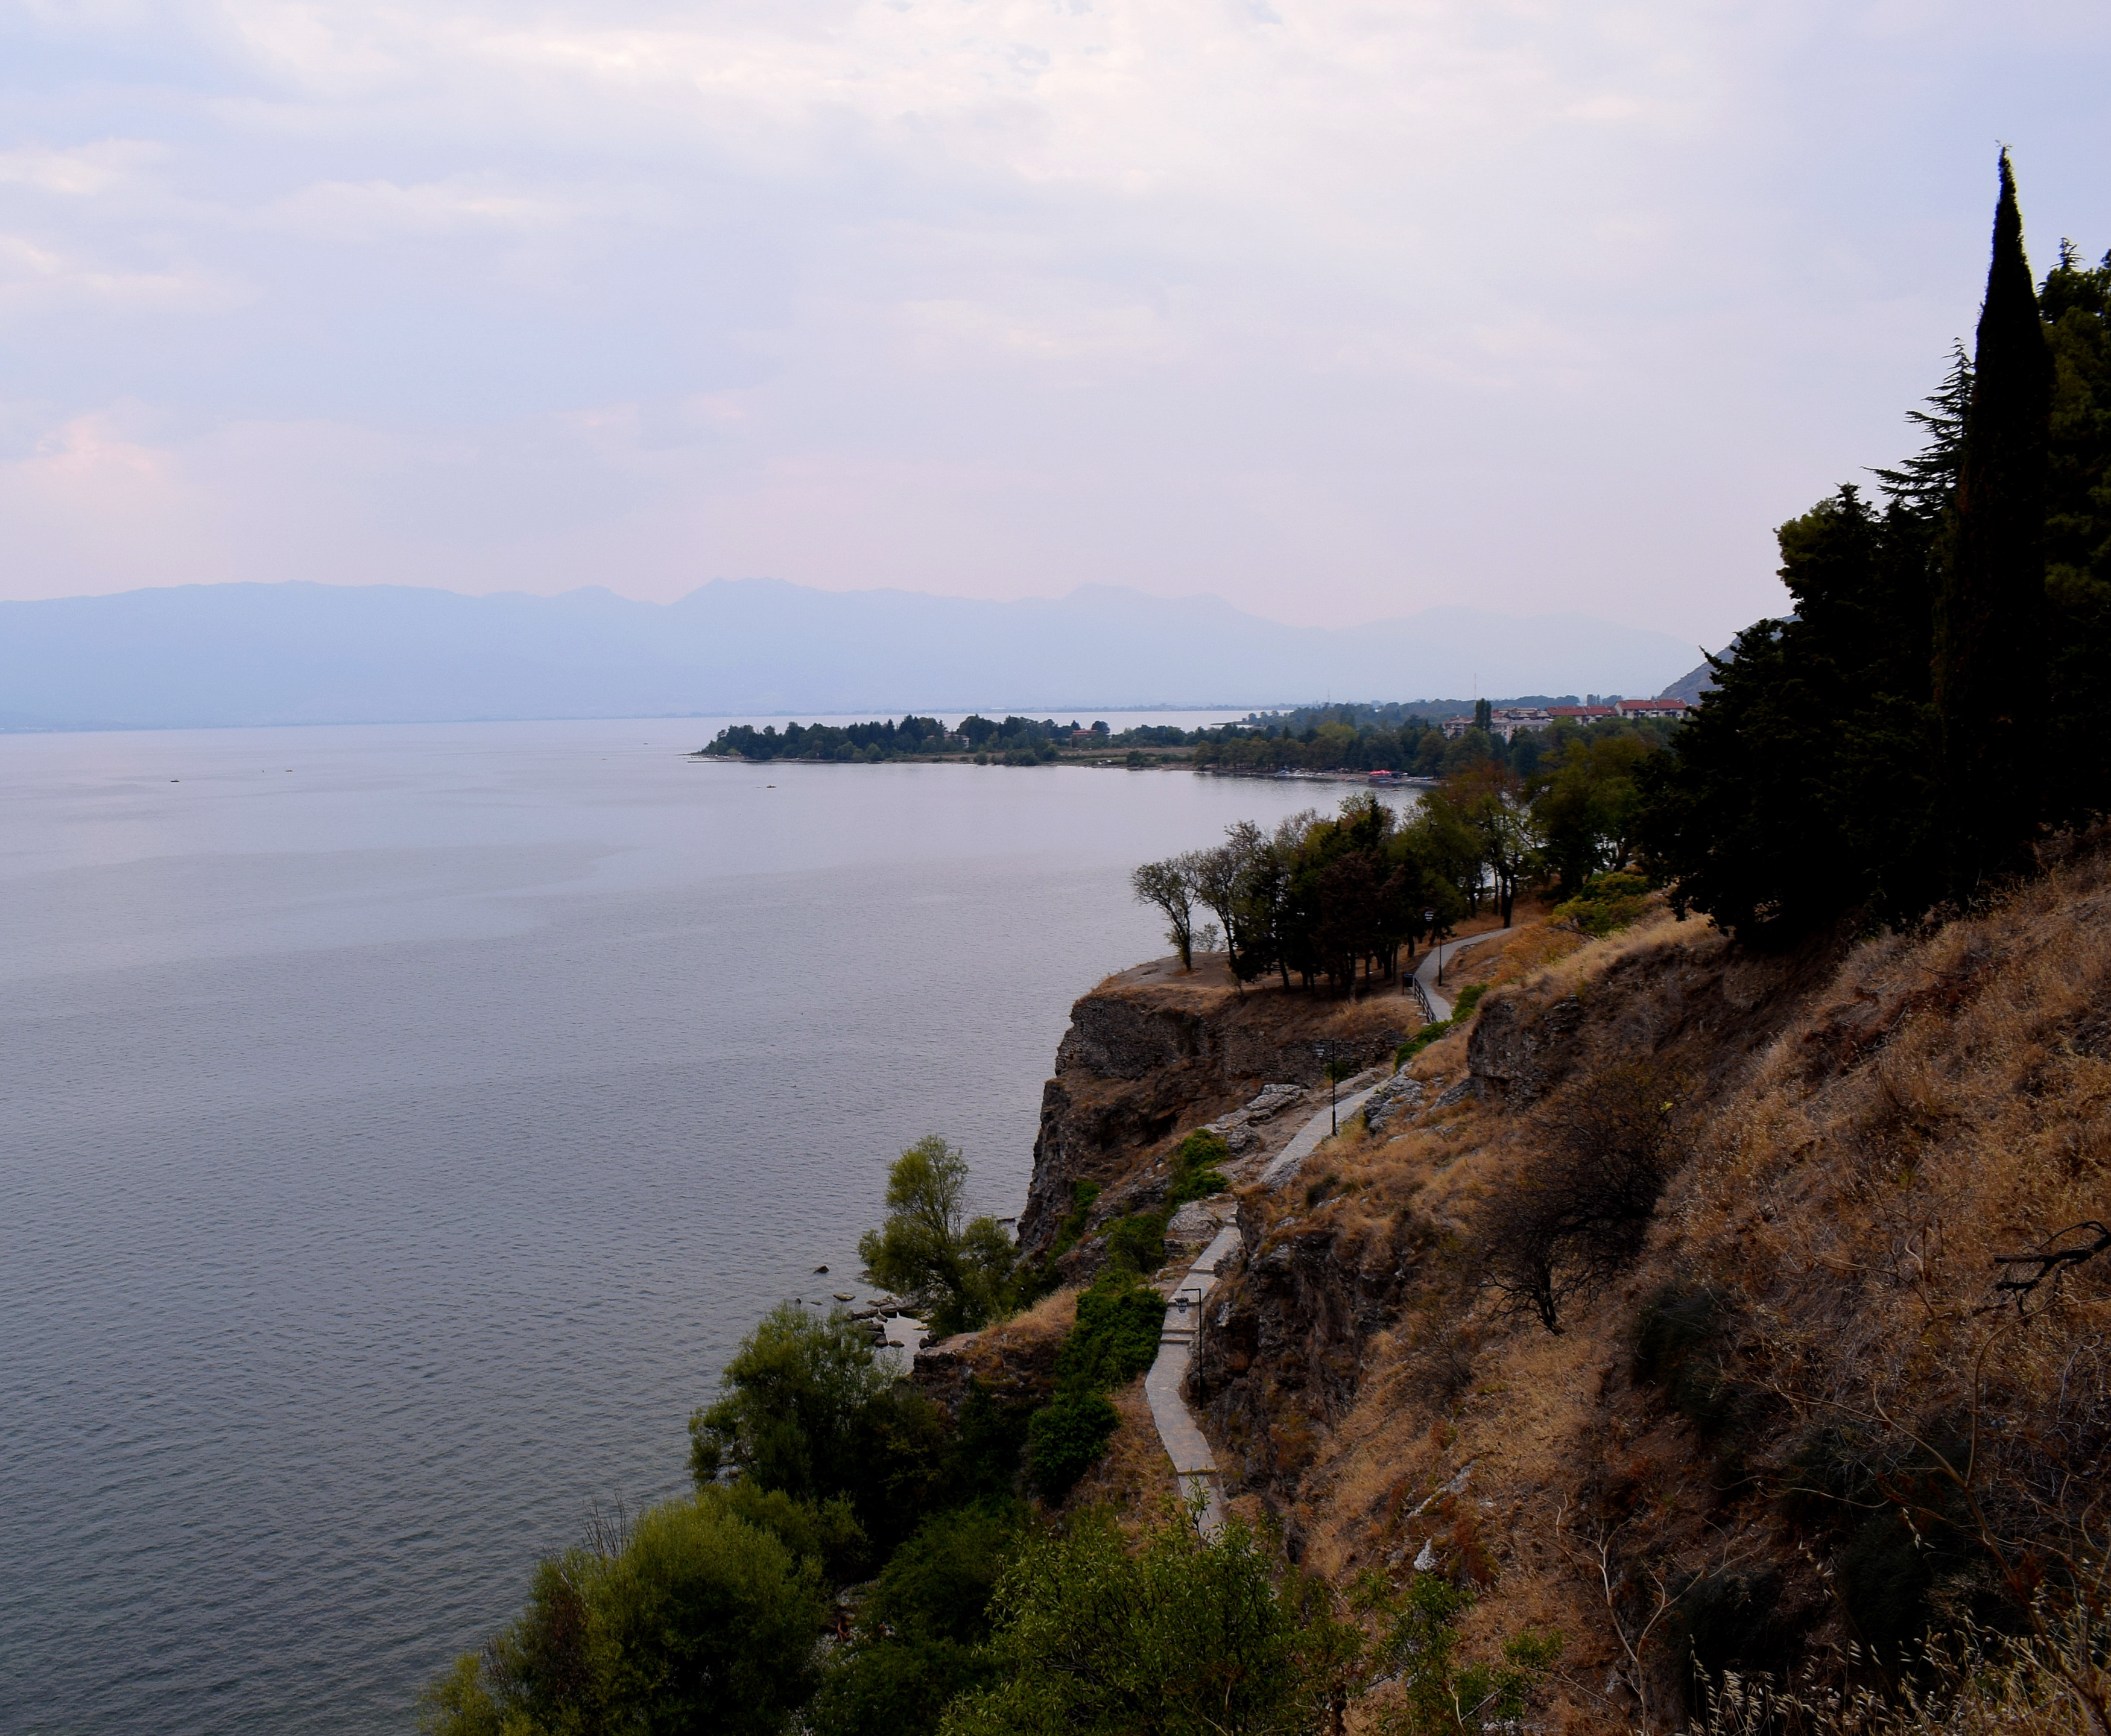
{"points": [[1938, 697], [1803, 787], [1926, 483], [1990, 663], [2076, 303]]}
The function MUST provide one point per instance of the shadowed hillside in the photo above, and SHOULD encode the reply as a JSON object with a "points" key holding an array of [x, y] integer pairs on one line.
{"points": [[1790, 1419]]}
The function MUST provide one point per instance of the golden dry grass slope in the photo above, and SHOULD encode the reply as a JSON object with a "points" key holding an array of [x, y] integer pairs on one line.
{"points": [[1802, 1421]]}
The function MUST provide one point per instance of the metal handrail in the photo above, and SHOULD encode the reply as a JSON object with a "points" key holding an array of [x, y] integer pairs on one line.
{"points": [[1422, 995]]}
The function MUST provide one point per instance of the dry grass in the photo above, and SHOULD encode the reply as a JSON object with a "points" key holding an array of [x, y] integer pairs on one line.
{"points": [[1532, 949], [1049, 1318], [1136, 1474], [1879, 1124]]}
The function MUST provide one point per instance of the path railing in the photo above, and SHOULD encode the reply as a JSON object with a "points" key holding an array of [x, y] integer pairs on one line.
{"points": [[1421, 996]]}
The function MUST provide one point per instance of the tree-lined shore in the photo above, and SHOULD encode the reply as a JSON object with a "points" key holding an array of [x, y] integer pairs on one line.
{"points": [[1337, 739]]}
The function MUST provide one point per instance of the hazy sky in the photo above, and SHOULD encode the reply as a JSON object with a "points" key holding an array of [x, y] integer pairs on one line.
{"points": [[1336, 310]]}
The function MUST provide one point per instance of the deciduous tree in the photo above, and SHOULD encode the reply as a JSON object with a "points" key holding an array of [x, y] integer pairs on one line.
{"points": [[954, 1269]]}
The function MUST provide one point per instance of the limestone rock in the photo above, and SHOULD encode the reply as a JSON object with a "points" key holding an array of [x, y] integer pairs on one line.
{"points": [[1522, 1051], [1193, 1226], [1399, 1096]]}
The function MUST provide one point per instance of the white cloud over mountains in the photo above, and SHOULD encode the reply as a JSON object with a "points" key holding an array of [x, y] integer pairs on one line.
{"points": [[1336, 310]]}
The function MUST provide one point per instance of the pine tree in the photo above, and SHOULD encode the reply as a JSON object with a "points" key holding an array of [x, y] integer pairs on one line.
{"points": [[1990, 650], [1926, 484]]}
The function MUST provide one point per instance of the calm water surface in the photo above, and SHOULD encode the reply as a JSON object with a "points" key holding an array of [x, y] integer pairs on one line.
{"points": [[398, 1126]]}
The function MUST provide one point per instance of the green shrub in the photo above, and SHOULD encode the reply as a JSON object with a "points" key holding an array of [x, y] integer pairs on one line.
{"points": [[955, 1271], [938, 1583], [1083, 1196], [989, 1439], [699, 1620], [1115, 1337], [1195, 1172], [895, 1686], [1065, 1439], [1462, 1015], [805, 1408], [1443, 1695], [1180, 1636], [920, 1631], [1137, 1243], [825, 1533], [1608, 902]]}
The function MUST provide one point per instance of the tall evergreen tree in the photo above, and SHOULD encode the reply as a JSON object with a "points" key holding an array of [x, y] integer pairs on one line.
{"points": [[2075, 301], [1925, 485], [1989, 654]]}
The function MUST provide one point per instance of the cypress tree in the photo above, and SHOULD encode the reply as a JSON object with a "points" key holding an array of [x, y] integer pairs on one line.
{"points": [[1990, 651]]}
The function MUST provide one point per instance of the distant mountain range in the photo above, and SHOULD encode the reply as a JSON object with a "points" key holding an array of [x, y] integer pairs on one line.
{"points": [[231, 654]]}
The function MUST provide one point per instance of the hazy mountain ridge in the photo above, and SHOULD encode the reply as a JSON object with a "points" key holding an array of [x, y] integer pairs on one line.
{"points": [[300, 653]]}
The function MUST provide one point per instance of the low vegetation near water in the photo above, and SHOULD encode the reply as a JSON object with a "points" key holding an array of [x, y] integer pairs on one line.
{"points": [[1732, 1358], [1342, 737]]}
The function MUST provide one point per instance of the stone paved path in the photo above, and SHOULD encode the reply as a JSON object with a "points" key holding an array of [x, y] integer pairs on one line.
{"points": [[1425, 973], [1193, 1461], [1287, 1162]]}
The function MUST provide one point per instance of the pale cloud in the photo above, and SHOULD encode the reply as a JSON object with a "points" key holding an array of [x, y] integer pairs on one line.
{"points": [[39, 277], [80, 173], [364, 212], [1331, 307]]}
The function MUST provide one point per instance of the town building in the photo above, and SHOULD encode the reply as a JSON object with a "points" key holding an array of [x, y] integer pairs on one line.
{"points": [[1508, 721]]}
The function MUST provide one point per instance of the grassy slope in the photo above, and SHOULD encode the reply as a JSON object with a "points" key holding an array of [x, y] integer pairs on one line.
{"points": [[1869, 1127]]}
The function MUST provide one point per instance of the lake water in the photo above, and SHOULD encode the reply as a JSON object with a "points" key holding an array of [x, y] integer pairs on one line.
{"points": [[398, 1126]]}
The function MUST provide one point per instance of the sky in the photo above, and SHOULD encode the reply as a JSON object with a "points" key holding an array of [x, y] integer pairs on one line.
{"points": [[1335, 310]]}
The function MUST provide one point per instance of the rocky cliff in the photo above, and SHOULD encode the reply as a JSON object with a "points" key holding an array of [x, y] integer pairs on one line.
{"points": [[1711, 1459], [1155, 1052]]}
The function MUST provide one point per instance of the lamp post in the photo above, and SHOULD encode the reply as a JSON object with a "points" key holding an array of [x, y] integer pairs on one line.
{"points": [[1429, 916], [1325, 1051]]}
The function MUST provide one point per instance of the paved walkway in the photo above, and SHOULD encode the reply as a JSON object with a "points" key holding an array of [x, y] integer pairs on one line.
{"points": [[1193, 1463], [1425, 973], [1305, 1141]]}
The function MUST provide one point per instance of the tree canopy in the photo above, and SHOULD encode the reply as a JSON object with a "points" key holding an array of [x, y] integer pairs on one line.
{"points": [[1936, 699], [952, 1269]]}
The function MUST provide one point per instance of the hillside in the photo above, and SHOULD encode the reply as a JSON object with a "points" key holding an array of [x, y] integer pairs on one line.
{"points": [[1795, 1422]]}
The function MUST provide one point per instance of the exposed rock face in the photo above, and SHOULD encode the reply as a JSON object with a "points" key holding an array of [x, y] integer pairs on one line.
{"points": [[1193, 1226], [1520, 1051], [1280, 1355], [1149, 1057], [1013, 1367], [1401, 1094]]}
